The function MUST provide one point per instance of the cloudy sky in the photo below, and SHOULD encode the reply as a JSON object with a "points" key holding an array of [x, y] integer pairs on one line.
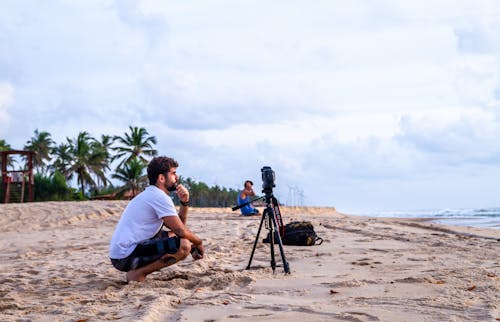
{"points": [[361, 105]]}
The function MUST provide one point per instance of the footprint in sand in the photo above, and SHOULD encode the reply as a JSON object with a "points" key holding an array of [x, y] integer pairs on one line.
{"points": [[365, 262], [35, 282], [356, 315]]}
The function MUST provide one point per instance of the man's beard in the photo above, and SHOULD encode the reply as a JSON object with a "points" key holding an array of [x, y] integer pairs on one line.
{"points": [[172, 188]]}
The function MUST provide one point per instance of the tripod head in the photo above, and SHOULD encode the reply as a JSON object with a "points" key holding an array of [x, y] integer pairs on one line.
{"points": [[268, 178]]}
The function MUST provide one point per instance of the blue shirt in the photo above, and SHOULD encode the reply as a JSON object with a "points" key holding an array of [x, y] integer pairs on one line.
{"points": [[248, 209]]}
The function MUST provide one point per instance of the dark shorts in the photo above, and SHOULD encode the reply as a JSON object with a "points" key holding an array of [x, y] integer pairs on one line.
{"points": [[148, 251]]}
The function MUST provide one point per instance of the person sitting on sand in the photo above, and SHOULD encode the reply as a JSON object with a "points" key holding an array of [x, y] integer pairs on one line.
{"points": [[139, 246], [244, 197]]}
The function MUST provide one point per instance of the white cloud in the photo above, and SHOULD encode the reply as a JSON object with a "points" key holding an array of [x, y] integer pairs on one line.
{"points": [[455, 137], [6, 101], [340, 98], [477, 78]]}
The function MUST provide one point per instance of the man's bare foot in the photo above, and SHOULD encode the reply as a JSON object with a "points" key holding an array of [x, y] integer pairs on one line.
{"points": [[135, 276]]}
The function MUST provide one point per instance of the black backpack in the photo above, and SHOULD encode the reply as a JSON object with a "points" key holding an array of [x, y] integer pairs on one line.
{"points": [[298, 233]]}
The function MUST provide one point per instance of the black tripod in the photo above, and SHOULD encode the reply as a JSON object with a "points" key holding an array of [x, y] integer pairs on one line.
{"points": [[272, 226]]}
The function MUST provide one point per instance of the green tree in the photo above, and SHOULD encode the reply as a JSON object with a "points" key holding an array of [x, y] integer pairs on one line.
{"points": [[52, 187], [86, 159], [106, 143], [201, 195], [135, 145], [62, 156], [4, 146], [131, 175], [102, 149], [42, 144]]}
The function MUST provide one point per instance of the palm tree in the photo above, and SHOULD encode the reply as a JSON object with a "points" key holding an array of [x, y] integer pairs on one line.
{"points": [[100, 159], [131, 175], [4, 146], [102, 148], [135, 145], [62, 155], [87, 158], [106, 142], [41, 143]]}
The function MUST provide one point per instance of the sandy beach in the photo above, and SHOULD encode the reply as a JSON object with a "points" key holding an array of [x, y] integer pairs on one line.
{"points": [[54, 266]]}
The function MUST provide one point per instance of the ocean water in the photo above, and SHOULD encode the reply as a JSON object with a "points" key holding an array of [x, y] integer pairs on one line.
{"points": [[473, 217]]}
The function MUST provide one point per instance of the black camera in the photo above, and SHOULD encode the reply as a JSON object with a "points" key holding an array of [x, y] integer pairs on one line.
{"points": [[267, 179]]}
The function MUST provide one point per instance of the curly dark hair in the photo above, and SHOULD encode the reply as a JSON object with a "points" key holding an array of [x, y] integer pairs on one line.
{"points": [[160, 165]]}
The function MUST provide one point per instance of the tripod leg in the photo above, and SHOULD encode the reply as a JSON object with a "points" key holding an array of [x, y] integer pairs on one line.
{"points": [[257, 238], [271, 242], [280, 243]]}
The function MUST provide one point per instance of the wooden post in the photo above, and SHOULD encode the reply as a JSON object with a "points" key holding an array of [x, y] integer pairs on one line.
{"points": [[5, 185], [31, 179], [7, 191], [22, 190]]}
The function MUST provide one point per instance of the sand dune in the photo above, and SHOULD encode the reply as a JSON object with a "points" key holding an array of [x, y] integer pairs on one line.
{"points": [[54, 267]]}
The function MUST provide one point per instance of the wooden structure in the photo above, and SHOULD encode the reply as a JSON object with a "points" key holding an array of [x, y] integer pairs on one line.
{"points": [[16, 180]]}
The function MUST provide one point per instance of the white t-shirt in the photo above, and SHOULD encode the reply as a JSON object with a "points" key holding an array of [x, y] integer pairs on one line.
{"points": [[141, 220]]}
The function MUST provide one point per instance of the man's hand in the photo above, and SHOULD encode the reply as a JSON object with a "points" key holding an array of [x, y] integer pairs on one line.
{"points": [[250, 192], [183, 193], [197, 251]]}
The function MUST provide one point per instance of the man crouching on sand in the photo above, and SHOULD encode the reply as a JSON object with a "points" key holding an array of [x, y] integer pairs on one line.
{"points": [[139, 246]]}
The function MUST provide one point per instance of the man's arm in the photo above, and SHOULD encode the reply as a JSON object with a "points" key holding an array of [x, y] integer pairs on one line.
{"points": [[180, 230], [183, 195], [247, 193], [183, 212]]}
